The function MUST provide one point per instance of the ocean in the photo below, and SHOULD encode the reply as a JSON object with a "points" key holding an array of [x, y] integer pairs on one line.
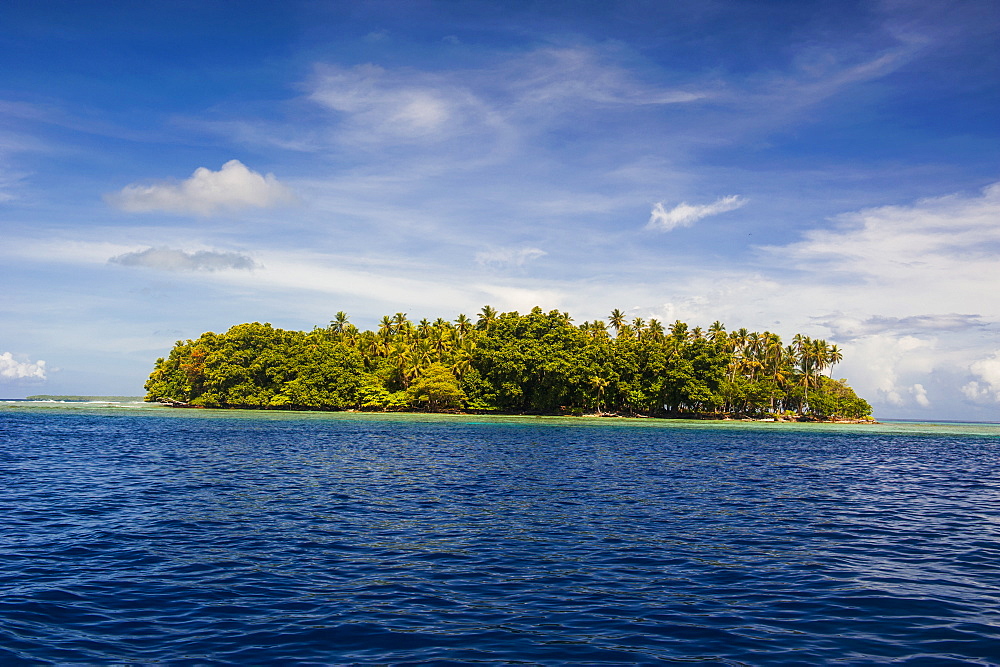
{"points": [[135, 534]]}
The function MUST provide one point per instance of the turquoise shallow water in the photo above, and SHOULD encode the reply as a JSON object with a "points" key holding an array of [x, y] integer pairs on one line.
{"points": [[141, 534]]}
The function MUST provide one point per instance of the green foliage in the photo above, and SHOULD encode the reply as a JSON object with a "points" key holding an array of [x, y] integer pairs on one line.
{"points": [[436, 389], [833, 398], [534, 363], [257, 366]]}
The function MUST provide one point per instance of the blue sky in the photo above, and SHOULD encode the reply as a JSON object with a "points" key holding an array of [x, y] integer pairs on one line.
{"points": [[832, 169]]}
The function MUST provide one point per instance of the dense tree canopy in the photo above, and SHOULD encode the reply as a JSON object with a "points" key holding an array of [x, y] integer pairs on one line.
{"points": [[534, 363]]}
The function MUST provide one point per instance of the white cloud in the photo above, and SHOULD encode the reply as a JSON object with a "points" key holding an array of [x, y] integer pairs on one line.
{"points": [[380, 105], [920, 395], [497, 104], [509, 256], [206, 192], [975, 392], [685, 215], [10, 181], [987, 386], [884, 367], [572, 75], [949, 241], [11, 369], [846, 327], [170, 259]]}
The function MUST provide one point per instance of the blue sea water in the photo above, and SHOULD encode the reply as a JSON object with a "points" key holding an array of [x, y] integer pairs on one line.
{"points": [[144, 535]]}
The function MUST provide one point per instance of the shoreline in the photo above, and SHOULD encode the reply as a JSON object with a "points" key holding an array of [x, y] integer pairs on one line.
{"points": [[139, 408], [779, 419]]}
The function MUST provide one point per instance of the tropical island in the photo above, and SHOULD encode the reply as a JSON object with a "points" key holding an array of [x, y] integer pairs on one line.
{"points": [[536, 363]]}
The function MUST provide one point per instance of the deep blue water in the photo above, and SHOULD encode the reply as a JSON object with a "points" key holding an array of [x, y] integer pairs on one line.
{"points": [[169, 536]]}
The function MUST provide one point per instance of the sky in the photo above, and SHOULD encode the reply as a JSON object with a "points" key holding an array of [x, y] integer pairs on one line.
{"points": [[830, 169]]}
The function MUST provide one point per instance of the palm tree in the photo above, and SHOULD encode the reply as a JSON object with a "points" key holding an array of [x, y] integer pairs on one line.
{"points": [[402, 360], [834, 356], [596, 329], [399, 322], [820, 354], [679, 330], [736, 345], [598, 385], [463, 324], [806, 357], [487, 316], [462, 359], [717, 332], [441, 339], [339, 322], [350, 335], [385, 327], [423, 353], [655, 329], [617, 320], [775, 361]]}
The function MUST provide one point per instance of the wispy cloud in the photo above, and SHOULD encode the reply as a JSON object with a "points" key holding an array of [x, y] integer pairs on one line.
{"points": [[513, 97], [845, 327], [509, 256], [946, 241], [685, 215], [377, 105], [206, 192], [8, 183], [921, 266], [577, 74], [170, 259], [12, 369]]}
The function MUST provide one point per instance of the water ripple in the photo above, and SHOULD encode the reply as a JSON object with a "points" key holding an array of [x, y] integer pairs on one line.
{"points": [[236, 540]]}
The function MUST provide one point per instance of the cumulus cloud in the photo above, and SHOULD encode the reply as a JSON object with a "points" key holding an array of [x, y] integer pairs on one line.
{"points": [[920, 395], [685, 215], [12, 369], [884, 367], [206, 192], [170, 259], [987, 385], [509, 256]]}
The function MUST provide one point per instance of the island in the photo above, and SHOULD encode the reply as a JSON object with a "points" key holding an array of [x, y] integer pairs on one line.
{"points": [[511, 363]]}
